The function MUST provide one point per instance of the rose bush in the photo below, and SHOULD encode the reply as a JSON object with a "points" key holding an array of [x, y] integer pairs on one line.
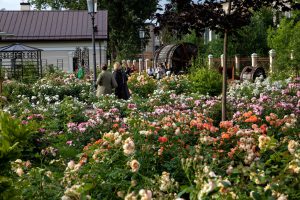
{"points": [[141, 84]]}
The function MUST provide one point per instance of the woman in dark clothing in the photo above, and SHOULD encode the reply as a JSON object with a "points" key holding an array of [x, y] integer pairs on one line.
{"points": [[122, 91]]}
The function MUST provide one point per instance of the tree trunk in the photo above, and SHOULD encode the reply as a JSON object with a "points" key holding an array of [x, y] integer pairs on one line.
{"points": [[224, 83]]}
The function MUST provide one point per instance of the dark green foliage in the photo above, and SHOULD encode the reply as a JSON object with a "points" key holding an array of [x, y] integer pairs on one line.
{"points": [[253, 37], [215, 47]]}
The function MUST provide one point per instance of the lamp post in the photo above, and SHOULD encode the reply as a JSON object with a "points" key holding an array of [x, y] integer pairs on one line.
{"points": [[92, 9], [142, 37]]}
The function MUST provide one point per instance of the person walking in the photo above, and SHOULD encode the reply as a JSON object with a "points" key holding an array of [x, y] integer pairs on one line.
{"points": [[105, 82], [122, 91]]}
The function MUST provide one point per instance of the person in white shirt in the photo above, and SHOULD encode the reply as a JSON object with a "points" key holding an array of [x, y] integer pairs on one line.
{"points": [[150, 71], [160, 72]]}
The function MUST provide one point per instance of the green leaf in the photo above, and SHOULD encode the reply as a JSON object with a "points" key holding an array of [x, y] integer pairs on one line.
{"points": [[256, 196], [186, 189], [226, 183]]}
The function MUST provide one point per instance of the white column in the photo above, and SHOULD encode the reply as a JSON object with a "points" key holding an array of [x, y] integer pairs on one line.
{"points": [[237, 64], [140, 65], [70, 60], [210, 61], [147, 64], [108, 62], [272, 54], [222, 60], [128, 63], [254, 59], [210, 35], [134, 64]]}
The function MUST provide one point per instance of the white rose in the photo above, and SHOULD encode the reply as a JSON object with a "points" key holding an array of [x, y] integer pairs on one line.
{"points": [[71, 164], [135, 165], [19, 171]]}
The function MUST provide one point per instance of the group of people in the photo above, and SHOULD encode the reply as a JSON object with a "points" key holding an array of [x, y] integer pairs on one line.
{"points": [[159, 72], [117, 80]]}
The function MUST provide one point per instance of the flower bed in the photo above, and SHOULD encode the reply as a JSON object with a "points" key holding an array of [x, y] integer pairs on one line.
{"points": [[171, 145]]}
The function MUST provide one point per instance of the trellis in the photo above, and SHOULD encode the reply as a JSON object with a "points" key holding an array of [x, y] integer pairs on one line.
{"points": [[81, 57]]}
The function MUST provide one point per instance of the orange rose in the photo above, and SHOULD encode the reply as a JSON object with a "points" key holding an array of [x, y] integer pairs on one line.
{"points": [[115, 125], [252, 119], [247, 114], [225, 136]]}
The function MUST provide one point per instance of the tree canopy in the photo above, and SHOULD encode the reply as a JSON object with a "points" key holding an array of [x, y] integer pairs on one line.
{"points": [[186, 15], [285, 39], [125, 17]]}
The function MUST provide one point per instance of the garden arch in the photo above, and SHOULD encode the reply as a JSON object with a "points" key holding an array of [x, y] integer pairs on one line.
{"points": [[20, 62]]}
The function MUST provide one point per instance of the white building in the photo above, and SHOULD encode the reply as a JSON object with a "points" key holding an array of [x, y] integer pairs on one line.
{"points": [[64, 36]]}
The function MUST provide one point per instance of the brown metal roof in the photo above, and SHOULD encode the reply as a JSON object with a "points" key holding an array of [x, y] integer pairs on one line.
{"points": [[52, 25]]}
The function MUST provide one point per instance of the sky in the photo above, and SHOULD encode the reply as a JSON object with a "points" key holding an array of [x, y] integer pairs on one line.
{"points": [[10, 4], [15, 4]]}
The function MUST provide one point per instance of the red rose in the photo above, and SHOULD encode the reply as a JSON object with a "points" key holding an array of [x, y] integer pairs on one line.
{"points": [[162, 139]]}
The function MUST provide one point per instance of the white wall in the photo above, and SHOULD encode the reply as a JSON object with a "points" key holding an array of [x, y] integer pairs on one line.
{"points": [[52, 51]]}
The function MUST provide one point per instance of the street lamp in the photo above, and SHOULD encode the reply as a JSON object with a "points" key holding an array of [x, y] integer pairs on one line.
{"points": [[142, 37], [92, 9]]}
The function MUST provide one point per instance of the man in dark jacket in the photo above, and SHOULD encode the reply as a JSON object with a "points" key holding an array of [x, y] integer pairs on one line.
{"points": [[122, 91]]}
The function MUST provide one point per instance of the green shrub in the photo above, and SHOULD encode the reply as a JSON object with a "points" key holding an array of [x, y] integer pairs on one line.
{"points": [[12, 89], [16, 139], [206, 81], [141, 85], [15, 136], [281, 75], [180, 84]]}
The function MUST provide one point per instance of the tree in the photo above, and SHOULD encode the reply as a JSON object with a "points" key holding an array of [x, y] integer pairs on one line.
{"points": [[125, 17], [285, 39], [241, 43], [258, 27], [225, 16]]}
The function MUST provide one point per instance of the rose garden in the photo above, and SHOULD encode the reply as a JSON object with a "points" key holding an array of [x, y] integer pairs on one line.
{"points": [[58, 141], [171, 139]]}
